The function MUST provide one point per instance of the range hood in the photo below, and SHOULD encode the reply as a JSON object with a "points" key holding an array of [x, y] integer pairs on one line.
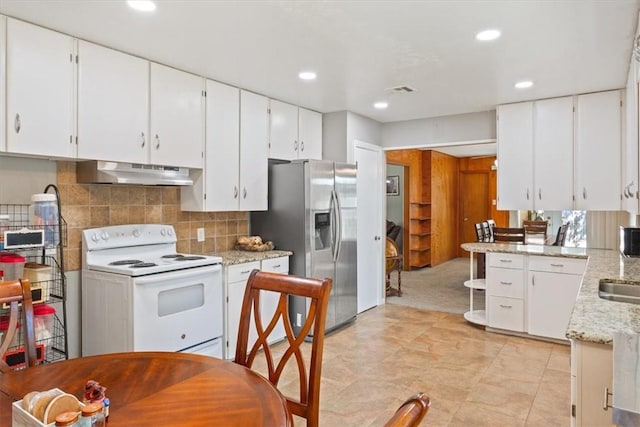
{"points": [[101, 172]]}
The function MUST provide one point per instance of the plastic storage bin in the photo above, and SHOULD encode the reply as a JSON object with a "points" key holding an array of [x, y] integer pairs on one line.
{"points": [[12, 265], [44, 215], [40, 277]]}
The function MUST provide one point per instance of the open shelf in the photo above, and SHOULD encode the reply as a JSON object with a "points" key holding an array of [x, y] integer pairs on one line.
{"points": [[479, 317], [476, 283]]}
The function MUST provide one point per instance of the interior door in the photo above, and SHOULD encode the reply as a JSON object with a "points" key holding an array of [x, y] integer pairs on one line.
{"points": [[474, 202], [370, 227]]}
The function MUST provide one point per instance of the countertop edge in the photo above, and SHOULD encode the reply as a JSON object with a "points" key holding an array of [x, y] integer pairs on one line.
{"points": [[241, 257]]}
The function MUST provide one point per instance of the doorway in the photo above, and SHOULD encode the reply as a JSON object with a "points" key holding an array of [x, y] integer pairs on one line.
{"points": [[474, 203]]}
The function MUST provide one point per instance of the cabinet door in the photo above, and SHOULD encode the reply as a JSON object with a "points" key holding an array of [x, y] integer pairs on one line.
{"points": [[253, 151], [113, 105], [176, 117], [3, 93], [40, 90], [515, 156], [310, 134], [594, 374], [630, 144], [216, 186], [553, 154], [269, 300], [283, 131], [597, 154], [236, 282], [550, 300]]}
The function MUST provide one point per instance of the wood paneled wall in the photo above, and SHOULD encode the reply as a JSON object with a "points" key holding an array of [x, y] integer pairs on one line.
{"points": [[484, 164], [444, 207]]}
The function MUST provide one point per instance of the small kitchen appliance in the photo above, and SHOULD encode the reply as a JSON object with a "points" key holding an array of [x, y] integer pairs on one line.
{"points": [[630, 241], [138, 294]]}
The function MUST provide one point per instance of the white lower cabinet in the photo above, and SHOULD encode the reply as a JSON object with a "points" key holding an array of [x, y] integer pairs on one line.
{"points": [[591, 379], [236, 277], [552, 288], [505, 287]]}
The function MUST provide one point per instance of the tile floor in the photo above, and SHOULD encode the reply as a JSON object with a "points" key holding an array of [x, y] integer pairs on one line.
{"points": [[473, 377]]}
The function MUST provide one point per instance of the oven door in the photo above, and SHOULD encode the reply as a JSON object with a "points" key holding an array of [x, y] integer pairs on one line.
{"points": [[176, 310]]}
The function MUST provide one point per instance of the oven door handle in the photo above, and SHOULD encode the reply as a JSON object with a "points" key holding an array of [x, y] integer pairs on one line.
{"points": [[180, 274]]}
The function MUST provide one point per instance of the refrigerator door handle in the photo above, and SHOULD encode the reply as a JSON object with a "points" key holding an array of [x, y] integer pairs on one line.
{"points": [[339, 225], [334, 226]]}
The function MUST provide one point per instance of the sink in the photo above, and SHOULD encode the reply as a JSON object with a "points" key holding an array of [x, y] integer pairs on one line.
{"points": [[619, 291]]}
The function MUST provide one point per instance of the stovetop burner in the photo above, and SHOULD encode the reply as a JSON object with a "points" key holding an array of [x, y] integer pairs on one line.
{"points": [[172, 256], [189, 258], [143, 265], [126, 262]]}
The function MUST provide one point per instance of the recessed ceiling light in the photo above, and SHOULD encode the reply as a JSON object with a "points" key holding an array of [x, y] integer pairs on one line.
{"points": [[381, 105], [524, 84], [142, 5], [488, 35], [307, 75]]}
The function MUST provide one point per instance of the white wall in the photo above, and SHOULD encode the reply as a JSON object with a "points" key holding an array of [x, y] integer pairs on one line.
{"points": [[22, 177], [440, 130], [341, 128]]}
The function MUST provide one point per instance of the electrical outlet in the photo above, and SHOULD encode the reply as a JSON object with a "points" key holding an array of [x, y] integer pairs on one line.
{"points": [[200, 234], [298, 320]]}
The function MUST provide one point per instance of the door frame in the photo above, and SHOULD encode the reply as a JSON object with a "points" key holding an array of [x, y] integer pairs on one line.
{"points": [[354, 145]]}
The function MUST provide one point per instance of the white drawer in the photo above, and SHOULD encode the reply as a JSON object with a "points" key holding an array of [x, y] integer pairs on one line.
{"points": [[241, 272], [276, 265], [505, 282], [554, 264], [506, 313], [506, 260]]}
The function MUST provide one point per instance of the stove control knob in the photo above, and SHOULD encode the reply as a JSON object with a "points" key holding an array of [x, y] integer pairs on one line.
{"points": [[170, 232], [136, 233], [163, 232], [95, 237], [105, 236]]}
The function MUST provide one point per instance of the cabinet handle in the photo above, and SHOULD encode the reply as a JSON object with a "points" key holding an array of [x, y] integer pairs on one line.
{"points": [[244, 193], [605, 403], [301, 145], [276, 266], [557, 265], [527, 194], [584, 193], [157, 141], [295, 145], [505, 306], [16, 123], [506, 260], [245, 272], [142, 138], [540, 193], [506, 283], [235, 192], [533, 280]]}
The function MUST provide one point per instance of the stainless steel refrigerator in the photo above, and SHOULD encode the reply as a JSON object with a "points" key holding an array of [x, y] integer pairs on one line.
{"points": [[312, 212]]}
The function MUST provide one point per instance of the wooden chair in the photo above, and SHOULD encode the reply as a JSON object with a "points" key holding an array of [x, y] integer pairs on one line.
{"points": [[307, 404], [411, 412], [561, 237], [535, 232], [15, 293], [508, 235]]}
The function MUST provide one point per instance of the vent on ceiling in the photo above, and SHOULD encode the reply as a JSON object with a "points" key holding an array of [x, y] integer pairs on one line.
{"points": [[402, 89]]}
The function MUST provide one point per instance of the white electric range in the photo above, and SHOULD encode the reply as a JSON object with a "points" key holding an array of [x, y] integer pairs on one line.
{"points": [[138, 294]]}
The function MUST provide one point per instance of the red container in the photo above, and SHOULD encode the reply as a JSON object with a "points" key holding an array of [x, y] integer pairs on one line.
{"points": [[12, 265]]}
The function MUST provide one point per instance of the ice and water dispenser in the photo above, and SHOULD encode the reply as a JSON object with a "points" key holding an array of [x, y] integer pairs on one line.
{"points": [[322, 228]]}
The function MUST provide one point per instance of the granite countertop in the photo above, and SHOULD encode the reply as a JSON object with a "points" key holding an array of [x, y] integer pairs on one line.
{"points": [[593, 319], [239, 257]]}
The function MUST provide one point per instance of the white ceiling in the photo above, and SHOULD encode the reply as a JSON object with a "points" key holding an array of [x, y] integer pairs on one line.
{"points": [[360, 49]]}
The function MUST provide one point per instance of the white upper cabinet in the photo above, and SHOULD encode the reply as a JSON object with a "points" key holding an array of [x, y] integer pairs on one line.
{"points": [[176, 117], [254, 151], [283, 131], [630, 177], [216, 187], [40, 91], [294, 133], [597, 155], [3, 93], [553, 153], [113, 105], [310, 134], [515, 156]]}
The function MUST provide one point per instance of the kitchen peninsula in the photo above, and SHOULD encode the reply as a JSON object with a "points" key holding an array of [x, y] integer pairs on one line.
{"points": [[592, 321]]}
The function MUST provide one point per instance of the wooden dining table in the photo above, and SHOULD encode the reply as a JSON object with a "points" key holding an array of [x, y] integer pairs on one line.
{"points": [[158, 389]]}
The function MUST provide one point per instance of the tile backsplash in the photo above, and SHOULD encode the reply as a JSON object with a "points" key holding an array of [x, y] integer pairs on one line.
{"points": [[94, 205]]}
